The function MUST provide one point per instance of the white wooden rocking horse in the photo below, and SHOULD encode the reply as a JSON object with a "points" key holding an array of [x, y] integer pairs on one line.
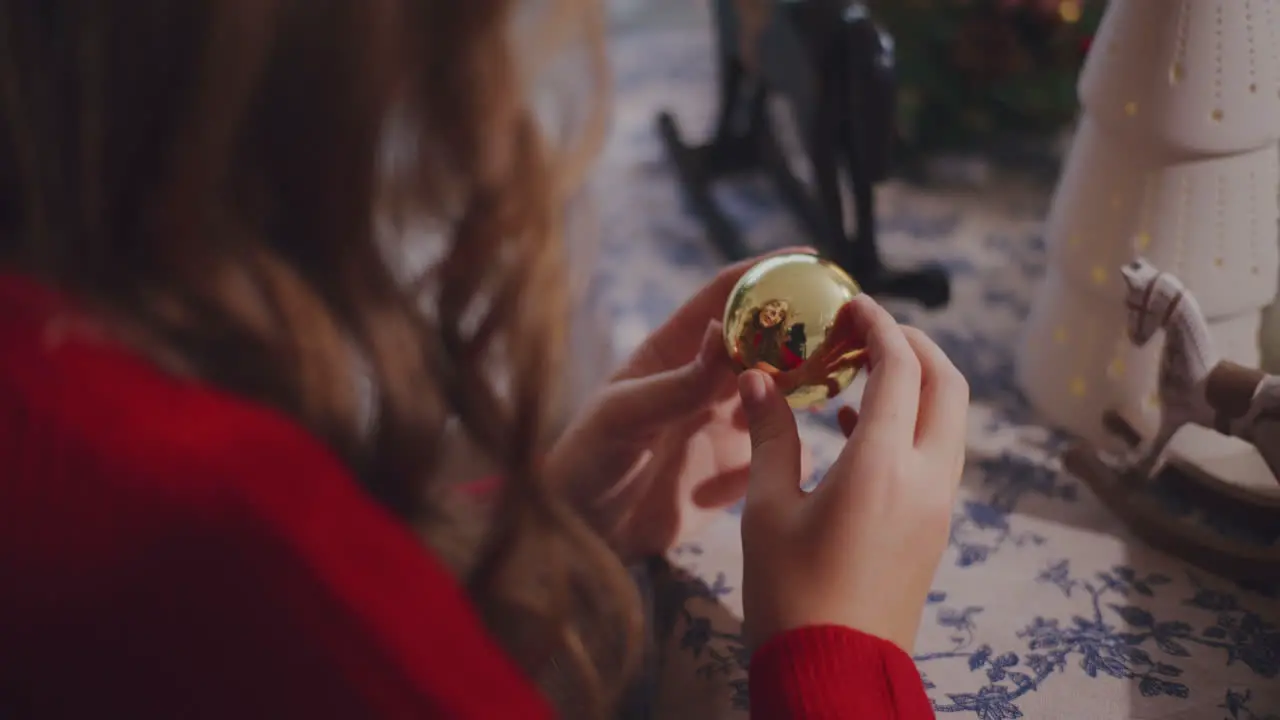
{"points": [[1195, 384]]}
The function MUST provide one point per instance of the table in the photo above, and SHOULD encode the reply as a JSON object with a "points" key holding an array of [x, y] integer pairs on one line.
{"points": [[1045, 606]]}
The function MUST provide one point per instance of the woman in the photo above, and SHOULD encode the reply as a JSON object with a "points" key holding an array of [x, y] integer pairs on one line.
{"points": [[771, 343], [767, 337], [199, 517]]}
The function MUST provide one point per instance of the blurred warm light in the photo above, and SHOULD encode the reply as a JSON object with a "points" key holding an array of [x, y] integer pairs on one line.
{"points": [[1069, 10]]}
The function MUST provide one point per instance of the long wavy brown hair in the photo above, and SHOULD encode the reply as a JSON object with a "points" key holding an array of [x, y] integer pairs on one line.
{"points": [[233, 185]]}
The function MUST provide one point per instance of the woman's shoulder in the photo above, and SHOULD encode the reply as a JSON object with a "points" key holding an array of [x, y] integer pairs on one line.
{"points": [[92, 433], [66, 391], [151, 499]]}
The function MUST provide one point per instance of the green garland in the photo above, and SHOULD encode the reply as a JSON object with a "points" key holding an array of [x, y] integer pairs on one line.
{"points": [[971, 72]]}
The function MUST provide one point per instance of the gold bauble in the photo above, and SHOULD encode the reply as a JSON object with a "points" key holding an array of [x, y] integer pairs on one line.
{"points": [[780, 316]]}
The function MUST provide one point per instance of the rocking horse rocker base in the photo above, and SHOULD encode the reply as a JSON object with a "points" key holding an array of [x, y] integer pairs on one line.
{"points": [[838, 137], [1128, 496]]}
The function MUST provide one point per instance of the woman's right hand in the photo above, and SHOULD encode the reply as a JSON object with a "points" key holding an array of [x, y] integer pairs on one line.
{"points": [[862, 548]]}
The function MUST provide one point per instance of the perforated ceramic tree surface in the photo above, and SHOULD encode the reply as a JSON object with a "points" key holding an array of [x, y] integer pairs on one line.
{"points": [[1175, 159], [1209, 220], [1201, 76]]}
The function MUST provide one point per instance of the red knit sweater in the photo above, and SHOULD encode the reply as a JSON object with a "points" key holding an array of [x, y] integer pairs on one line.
{"points": [[168, 550]]}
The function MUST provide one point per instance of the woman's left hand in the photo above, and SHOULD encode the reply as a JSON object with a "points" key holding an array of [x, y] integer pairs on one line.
{"points": [[664, 445]]}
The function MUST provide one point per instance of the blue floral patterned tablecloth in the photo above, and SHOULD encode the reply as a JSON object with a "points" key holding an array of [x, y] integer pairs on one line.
{"points": [[1045, 606]]}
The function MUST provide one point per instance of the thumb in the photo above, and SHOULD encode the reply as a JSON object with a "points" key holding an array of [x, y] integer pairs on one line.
{"points": [[661, 398], [775, 445]]}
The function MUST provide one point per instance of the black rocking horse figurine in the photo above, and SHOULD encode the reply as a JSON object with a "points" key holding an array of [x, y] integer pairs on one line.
{"points": [[836, 69]]}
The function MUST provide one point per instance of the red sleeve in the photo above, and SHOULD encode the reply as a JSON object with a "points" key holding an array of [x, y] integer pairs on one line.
{"points": [[790, 358], [293, 597], [830, 673], [167, 551]]}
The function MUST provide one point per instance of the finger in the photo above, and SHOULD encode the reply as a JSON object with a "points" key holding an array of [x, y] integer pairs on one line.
{"points": [[891, 398], [944, 395], [712, 350], [844, 345], [838, 339], [806, 463], [737, 414], [723, 490], [848, 419], [775, 446], [643, 403], [672, 342], [844, 324]]}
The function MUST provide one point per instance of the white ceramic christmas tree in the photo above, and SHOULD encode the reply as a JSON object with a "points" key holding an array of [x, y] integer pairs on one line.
{"points": [[1175, 159]]}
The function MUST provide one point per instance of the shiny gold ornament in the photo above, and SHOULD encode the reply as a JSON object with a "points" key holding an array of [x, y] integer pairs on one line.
{"points": [[782, 318]]}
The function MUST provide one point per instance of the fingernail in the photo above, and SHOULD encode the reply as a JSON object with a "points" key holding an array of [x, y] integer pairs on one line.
{"points": [[751, 387], [710, 341], [711, 334]]}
